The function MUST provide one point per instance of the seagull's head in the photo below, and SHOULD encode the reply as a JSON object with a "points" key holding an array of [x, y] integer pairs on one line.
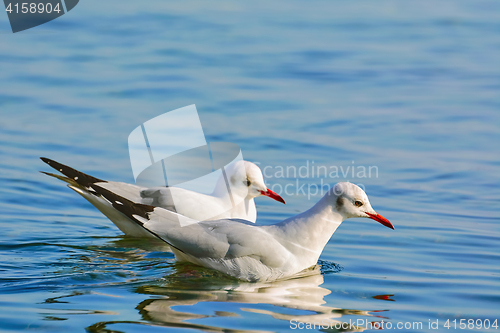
{"points": [[248, 177], [352, 201]]}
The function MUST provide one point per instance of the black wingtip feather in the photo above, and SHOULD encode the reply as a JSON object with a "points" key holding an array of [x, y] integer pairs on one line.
{"points": [[80, 178], [127, 207]]}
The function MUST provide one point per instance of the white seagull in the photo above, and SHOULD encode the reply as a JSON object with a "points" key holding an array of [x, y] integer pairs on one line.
{"points": [[245, 177], [248, 251]]}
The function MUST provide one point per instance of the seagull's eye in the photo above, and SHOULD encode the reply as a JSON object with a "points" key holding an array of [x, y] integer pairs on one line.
{"points": [[358, 203], [247, 182]]}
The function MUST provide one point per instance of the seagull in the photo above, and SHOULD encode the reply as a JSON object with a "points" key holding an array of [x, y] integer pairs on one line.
{"points": [[245, 178], [247, 251]]}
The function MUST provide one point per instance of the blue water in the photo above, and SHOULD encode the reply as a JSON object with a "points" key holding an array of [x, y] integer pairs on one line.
{"points": [[410, 89]]}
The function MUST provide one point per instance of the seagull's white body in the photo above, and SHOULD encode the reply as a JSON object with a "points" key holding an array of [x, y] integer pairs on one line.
{"points": [[246, 183], [247, 251]]}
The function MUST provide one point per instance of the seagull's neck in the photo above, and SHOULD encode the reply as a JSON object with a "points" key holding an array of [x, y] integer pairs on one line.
{"points": [[312, 229], [225, 192], [221, 190]]}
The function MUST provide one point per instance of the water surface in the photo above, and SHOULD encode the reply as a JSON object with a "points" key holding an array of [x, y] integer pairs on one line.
{"points": [[409, 89]]}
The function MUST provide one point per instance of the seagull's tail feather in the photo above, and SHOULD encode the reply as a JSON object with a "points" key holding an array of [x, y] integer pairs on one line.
{"points": [[79, 177]]}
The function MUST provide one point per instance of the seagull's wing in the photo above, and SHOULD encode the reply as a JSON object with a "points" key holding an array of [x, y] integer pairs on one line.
{"points": [[197, 206], [214, 240], [158, 196]]}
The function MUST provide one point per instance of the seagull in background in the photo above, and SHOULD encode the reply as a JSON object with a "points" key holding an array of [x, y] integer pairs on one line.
{"points": [[245, 178]]}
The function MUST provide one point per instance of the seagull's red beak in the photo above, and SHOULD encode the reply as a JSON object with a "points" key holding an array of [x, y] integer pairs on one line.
{"points": [[273, 195], [380, 219]]}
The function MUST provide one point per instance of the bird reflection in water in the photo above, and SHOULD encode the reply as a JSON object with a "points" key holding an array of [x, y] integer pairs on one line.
{"points": [[301, 299]]}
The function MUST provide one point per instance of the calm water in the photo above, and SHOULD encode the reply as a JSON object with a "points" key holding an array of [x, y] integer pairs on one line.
{"points": [[410, 89]]}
